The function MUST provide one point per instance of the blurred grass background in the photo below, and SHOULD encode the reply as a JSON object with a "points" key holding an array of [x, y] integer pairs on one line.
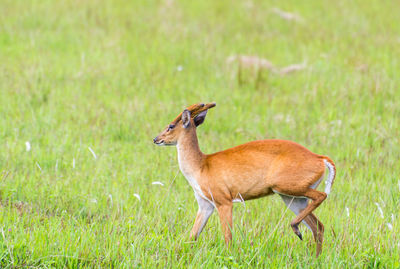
{"points": [[110, 75]]}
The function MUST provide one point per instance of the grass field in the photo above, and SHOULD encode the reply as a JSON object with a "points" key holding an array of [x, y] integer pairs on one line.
{"points": [[107, 76]]}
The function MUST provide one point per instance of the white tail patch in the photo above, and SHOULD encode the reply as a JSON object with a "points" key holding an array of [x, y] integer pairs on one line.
{"points": [[331, 176]]}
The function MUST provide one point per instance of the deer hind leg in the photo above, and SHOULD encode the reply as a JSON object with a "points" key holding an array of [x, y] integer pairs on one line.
{"points": [[296, 204], [316, 197], [316, 226], [298, 197], [311, 221], [317, 229]]}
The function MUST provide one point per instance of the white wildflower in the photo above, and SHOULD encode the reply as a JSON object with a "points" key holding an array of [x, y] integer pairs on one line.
{"points": [[390, 226], [94, 154], [380, 210], [37, 164], [73, 163], [348, 211], [287, 15], [179, 68], [93, 201], [137, 196], [28, 148], [157, 183]]}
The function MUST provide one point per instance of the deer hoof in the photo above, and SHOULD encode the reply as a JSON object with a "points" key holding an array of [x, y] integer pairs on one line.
{"points": [[297, 231], [299, 235]]}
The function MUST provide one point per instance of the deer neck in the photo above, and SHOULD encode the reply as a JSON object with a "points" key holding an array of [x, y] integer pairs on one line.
{"points": [[190, 157]]}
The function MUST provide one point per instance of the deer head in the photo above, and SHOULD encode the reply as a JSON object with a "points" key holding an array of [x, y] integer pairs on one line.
{"points": [[190, 118]]}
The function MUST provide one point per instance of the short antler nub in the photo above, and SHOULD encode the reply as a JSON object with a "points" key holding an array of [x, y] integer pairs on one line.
{"points": [[195, 110]]}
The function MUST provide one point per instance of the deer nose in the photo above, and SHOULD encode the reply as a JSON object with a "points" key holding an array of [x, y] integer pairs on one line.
{"points": [[155, 139]]}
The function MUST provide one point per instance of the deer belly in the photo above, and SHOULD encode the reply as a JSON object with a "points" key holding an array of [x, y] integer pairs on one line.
{"points": [[251, 190]]}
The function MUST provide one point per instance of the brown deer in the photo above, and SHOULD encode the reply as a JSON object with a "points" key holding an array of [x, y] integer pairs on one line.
{"points": [[246, 172]]}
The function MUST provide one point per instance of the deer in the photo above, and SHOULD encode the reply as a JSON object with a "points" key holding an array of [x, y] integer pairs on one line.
{"points": [[248, 171]]}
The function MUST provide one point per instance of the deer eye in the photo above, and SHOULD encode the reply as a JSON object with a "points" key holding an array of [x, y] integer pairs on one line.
{"points": [[170, 127]]}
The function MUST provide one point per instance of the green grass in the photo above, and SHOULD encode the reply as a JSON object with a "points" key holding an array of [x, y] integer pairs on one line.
{"points": [[103, 74]]}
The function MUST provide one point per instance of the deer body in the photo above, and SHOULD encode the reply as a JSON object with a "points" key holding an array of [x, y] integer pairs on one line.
{"points": [[246, 172], [252, 170]]}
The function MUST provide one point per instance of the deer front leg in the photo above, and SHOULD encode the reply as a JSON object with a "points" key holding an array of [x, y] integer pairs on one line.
{"points": [[225, 216], [203, 214]]}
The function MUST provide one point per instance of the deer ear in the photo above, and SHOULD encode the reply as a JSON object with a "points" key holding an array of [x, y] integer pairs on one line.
{"points": [[186, 118], [199, 119]]}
